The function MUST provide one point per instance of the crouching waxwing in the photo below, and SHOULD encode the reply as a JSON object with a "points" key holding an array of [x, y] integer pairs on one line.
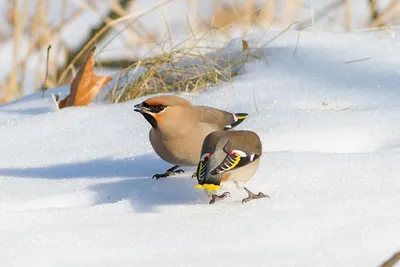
{"points": [[229, 159], [179, 128]]}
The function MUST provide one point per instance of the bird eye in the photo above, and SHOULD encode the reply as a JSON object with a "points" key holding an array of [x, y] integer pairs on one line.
{"points": [[158, 108]]}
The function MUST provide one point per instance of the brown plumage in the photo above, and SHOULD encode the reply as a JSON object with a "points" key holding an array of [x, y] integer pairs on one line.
{"points": [[179, 128], [229, 159]]}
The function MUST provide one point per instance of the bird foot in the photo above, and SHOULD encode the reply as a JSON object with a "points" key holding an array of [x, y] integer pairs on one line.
{"points": [[254, 196], [166, 174], [215, 198]]}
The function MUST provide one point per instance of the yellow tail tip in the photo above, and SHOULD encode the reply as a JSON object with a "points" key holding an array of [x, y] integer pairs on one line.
{"points": [[211, 187], [242, 117]]}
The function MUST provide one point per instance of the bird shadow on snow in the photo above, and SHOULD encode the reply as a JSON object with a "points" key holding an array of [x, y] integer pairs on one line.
{"points": [[28, 111], [144, 194], [142, 165]]}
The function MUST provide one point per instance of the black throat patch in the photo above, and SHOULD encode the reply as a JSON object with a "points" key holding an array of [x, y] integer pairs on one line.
{"points": [[150, 119]]}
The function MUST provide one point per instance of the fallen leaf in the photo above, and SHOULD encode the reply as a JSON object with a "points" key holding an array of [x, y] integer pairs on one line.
{"points": [[63, 103], [245, 45], [85, 85]]}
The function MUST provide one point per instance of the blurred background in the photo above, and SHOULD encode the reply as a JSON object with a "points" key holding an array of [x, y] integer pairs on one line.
{"points": [[125, 31]]}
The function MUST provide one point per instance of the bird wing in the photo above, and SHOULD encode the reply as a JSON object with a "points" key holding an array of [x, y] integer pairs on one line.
{"points": [[205, 181], [223, 119], [233, 160], [202, 168]]}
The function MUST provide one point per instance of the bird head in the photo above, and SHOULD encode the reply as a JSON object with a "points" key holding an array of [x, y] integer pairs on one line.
{"points": [[164, 111]]}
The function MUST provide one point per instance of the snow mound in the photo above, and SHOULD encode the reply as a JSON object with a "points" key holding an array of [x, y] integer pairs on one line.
{"points": [[76, 188]]}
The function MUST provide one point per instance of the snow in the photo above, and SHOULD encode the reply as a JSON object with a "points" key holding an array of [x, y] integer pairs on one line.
{"points": [[76, 188]]}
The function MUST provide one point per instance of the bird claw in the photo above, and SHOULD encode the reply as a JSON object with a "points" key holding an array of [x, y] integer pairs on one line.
{"points": [[216, 198], [159, 176], [166, 174], [254, 196]]}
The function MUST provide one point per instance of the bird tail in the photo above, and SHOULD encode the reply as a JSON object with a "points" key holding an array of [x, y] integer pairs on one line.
{"points": [[239, 118]]}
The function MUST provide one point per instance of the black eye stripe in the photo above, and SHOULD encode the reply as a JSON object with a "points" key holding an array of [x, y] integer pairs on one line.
{"points": [[157, 108]]}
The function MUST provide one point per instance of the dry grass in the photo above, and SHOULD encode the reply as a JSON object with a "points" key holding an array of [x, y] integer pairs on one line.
{"points": [[31, 34], [180, 70]]}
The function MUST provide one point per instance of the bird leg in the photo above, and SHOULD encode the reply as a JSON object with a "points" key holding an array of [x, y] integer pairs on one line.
{"points": [[169, 172], [215, 198], [251, 196]]}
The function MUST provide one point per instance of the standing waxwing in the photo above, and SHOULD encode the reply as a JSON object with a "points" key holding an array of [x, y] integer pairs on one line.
{"points": [[229, 159], [179, 128]]}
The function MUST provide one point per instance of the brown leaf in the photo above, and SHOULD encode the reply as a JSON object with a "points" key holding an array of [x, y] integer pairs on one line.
{"points": [[245, 45], [63, 103], [85, 85]]}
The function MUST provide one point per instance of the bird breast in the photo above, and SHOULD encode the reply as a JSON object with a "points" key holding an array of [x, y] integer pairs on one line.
{"points": [[182, 151]]}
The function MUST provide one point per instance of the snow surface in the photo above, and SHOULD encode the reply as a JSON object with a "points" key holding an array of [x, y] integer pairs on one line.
{"points": [[76, 189]]}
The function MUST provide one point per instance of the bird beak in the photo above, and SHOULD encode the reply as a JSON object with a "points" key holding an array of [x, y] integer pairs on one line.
{"points": [[140, 108]]}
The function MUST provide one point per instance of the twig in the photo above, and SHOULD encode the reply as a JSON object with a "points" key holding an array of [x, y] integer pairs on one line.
{"points": [[113, 90], [347, 15], [392, 261], [297, 41], [47, 70], [279, 34], [357, 60], [55, 102], [117, 63], [373, 11], [390, 10], [105, 29], [111, 15], [312, 17], [323, 13], [255, 100]]}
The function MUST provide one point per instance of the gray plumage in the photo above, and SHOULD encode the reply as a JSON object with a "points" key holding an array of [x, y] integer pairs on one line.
{"points": [[229, 159]]}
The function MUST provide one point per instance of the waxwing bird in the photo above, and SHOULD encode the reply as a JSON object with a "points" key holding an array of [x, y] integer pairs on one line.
{"points": [[179, 128], [229, 159]]}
